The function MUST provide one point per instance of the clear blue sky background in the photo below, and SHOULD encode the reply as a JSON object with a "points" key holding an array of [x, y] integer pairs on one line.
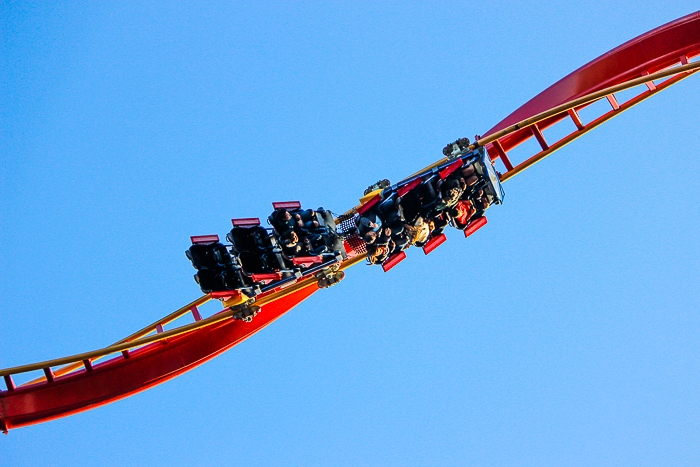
{"points": [[566, 332]]}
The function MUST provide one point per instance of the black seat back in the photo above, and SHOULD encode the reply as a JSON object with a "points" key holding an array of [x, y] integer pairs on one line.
{"points": [[234, 279], [251, 263], [213, 256], [274, 262], [209, 281], [242, 239], [263, 239]]}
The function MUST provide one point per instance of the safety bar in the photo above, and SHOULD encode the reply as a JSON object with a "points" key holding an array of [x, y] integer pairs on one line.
{"points": [[451, 168], [408, 187], [366, 207]]}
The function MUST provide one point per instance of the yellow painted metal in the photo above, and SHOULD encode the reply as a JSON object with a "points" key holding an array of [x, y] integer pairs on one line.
{"points": [[242, 298], [353, 261], [171, 317], [369, 196]]}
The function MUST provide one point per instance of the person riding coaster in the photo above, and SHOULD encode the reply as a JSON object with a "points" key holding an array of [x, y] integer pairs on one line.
{"points": [[313, 233], [419, 209], [300, 221]]}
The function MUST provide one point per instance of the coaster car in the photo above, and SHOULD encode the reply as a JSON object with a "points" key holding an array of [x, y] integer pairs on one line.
{"points": [[217, 270]]}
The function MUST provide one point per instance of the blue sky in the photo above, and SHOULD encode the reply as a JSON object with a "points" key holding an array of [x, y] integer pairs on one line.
{"points": [[565, 332]]}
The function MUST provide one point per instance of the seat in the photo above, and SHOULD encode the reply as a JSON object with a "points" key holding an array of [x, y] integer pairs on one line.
{"points": [[213, 256], [275, 262], [222, 256], [254, 239], [209, 281], [281, 229], [234, 279], [263, 239], [429, 192], [251, 263], [410, 205], [325, 219], [390, 211], [316, 244]]}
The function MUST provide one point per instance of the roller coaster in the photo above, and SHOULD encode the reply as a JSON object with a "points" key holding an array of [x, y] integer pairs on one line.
{"points": [[264, 272]]}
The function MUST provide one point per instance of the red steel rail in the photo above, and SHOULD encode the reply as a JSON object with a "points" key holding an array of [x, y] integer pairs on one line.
{"points": [[674, 43]]}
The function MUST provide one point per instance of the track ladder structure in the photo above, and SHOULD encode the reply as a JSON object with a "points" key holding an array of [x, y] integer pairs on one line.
{"points": [[651, 62]]}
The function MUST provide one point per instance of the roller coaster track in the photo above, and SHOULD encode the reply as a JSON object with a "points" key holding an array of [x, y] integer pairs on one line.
{"points": [[653, 61]]}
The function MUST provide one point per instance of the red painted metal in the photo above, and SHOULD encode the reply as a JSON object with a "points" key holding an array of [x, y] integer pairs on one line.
{"points": [[613, 101], [408, 187], [444, 173], [266, 277], [224, 294], [652, 51], [502, 154], [577, 120], [147, 367], [434, 243], [539, 136], [247, 222], [9, 383], [393, 261], [287, 205], [474, 226], [49, 375], [195, 313], [159, 329], [307, 259], [204, 239], [650, 84]]}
